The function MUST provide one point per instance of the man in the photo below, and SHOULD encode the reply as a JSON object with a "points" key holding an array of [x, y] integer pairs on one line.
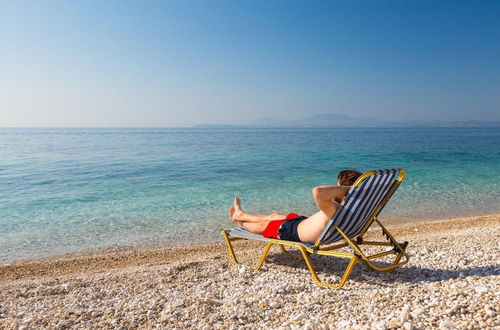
{"points": [[294, 227]]}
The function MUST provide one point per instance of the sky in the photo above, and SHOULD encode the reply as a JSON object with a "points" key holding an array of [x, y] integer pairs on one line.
{"points": [[182, 63]]}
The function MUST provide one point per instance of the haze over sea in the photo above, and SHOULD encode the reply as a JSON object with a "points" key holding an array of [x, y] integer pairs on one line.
{"points": [[70, 189]]}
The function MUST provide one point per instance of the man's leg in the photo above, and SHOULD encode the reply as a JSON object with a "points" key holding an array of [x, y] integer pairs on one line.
{"points": [[255, 223]]}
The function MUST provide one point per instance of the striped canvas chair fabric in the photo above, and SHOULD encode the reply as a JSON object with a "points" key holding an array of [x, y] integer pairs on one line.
{"points": [[359, 206]]}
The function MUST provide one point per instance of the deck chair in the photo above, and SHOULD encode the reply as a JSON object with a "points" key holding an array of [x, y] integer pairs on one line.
{"points": [[357, 212]]}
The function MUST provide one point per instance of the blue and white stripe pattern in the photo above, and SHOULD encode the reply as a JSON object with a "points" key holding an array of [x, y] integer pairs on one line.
{"points": [[359, 205]]}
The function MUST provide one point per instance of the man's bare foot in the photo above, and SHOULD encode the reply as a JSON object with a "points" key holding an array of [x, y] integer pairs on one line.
{"points": [[238, 212], [235, 212], [231, 212]]}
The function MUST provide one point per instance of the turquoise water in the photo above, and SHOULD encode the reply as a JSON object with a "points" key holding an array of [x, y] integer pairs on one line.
{"points": [[66, 190]]}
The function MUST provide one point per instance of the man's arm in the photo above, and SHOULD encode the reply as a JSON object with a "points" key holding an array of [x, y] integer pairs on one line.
{"points": [[323, 196]]}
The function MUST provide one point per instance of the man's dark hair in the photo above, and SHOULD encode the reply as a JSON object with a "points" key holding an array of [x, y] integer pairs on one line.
{"points": [[348, 177]]}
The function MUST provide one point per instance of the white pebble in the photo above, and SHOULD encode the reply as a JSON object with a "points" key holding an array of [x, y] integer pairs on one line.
{"points": [[481, 289], [379, 325], [415, 316], [408, 326], [404, 314], [489, 310], [446, 325]]}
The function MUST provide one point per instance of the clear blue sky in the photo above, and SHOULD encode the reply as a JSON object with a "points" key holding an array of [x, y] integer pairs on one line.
{"points": [[180, 63]]}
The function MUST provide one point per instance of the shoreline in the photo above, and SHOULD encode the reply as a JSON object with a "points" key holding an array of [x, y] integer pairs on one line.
{"points": [[122, 257], [451, 281], [91, 253]]}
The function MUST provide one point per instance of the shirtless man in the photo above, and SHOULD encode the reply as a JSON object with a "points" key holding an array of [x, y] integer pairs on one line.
{"points": [[294, 227]]}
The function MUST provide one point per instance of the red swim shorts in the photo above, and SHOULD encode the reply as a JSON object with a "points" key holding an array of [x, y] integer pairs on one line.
{"points": [[273, 227]]}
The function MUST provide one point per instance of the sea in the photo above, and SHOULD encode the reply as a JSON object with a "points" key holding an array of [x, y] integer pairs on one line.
{"points": [[65, 190]]}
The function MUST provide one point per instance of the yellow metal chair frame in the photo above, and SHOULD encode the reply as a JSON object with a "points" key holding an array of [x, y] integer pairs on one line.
{"points": [[357, 254]]}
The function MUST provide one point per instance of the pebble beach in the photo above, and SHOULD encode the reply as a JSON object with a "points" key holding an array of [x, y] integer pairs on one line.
{"points": [[451, 282]]}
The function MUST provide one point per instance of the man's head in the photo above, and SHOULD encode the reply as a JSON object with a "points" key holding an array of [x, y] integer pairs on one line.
{"points": [[348, 177]]}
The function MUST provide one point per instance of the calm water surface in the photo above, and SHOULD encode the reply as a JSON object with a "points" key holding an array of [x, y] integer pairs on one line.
{"points": [[66, 190]]}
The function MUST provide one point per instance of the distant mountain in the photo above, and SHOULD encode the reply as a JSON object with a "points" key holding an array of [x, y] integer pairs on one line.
{"points": [[219, 126], [341, 120], [322, 120], [336, 120], [270, 122], [442, 123]]}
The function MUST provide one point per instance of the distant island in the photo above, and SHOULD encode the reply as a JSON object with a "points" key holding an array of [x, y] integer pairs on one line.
{"points": [[341, 120]]}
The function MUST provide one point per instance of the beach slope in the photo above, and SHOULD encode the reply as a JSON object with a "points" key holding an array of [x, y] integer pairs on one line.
{"points": [[452, 280]]}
